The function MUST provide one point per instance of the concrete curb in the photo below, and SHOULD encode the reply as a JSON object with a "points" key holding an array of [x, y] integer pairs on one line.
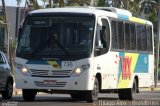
{"points": [[150, 89]]}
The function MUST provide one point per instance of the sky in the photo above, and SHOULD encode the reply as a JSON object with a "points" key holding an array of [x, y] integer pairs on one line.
{"points": [[13, 2]]}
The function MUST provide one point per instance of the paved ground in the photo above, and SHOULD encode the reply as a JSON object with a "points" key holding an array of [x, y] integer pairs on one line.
{"points": [[153, 88], [148, 98]]}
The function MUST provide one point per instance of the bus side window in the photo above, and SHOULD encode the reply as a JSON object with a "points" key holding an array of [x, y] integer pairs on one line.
{"points": [[102, 38], [149, 38], [114, 35], [138, 31]]}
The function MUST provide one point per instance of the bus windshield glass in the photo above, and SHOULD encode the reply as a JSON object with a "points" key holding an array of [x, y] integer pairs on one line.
{"points": [[56, 36]]}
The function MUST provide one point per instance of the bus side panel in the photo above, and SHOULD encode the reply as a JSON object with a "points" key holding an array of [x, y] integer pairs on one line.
{"points": [[127, 65], [118, 69], [131, 65], [107, 66], [147, 79], [151, 70]]}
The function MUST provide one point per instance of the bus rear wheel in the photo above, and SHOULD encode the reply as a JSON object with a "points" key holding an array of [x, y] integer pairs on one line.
{"points": [[128, 94], [93, 95], [29, 94]]}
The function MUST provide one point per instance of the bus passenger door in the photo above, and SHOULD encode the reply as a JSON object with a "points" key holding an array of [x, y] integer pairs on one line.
{"points": [[102, 44]]}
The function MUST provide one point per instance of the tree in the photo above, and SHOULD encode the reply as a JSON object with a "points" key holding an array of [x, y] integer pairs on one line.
{"points": [[34, 4], [102, 3], [134, 7], [149, 11], [44, 2], [61, 3], [18, 2], [118, 3], [78, 2], [148, 6]]}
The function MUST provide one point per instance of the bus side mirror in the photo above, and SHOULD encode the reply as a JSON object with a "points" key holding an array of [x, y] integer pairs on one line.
{"points": [[97, 51]]}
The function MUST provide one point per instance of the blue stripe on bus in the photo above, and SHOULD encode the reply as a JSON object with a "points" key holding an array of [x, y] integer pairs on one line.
{"points": [[37, 62], [124, 17], [142, 64]]}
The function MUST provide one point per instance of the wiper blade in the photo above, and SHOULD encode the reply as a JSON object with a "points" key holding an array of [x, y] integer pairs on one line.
{"points": [[60, 46]]}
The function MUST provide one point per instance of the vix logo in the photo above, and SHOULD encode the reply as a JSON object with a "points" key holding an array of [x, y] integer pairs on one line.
{"points": [[126, 67]]}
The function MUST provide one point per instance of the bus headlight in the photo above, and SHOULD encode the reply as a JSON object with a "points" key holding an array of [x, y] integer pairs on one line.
{"points": [[25, 71], [79, 70]]}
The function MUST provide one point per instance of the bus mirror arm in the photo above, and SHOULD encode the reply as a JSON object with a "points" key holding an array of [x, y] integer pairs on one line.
{"points": [[19, 33]]}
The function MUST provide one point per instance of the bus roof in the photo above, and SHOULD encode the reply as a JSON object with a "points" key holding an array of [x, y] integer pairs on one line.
{"points": [[66, 10], [97, 11]]}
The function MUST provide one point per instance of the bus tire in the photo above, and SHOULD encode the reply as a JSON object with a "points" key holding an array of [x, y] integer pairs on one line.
{"points": [[29, 94], [128, 94], [92, 96], [8, 92]]}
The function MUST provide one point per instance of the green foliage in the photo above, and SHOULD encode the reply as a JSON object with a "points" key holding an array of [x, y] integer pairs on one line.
{"points": [[34, 3], [1, 18], [101, 3], [78, 2], [134, 7], [61, 3]]}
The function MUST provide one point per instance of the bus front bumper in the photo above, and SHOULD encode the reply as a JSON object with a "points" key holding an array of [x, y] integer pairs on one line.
{"points": [[82, 82]]}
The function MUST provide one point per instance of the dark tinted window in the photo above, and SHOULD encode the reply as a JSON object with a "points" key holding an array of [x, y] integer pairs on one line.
{"points": [[127, 37], [132, 37], [114, 35], [56, 36], [102, 41], [149, 42], [121, 35], [139, 44], [144, 38]]}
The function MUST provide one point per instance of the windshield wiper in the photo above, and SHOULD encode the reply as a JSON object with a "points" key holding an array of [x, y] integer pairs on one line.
{"points": [[60, 46], [40, 46]]}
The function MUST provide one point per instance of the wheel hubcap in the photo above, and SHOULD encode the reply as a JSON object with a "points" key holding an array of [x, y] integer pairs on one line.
{"points": [[95, 91]]}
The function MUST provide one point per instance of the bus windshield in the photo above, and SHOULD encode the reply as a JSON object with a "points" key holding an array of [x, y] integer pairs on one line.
{"points": [[51, 36]]}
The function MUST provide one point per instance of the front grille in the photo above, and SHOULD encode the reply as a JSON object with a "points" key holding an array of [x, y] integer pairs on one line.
{"points": [[50, 73], [42, 84]]}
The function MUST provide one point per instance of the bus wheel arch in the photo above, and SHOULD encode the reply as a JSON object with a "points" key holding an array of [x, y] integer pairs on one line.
{"points": [[92, 95], [137, 82], [99, 78]]}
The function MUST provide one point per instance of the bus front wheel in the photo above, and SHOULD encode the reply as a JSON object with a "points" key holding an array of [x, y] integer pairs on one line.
{"points": [[29, 94], [93, 95]]}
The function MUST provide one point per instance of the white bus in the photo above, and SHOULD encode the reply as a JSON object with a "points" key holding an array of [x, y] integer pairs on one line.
{"points": [[84, 51]]}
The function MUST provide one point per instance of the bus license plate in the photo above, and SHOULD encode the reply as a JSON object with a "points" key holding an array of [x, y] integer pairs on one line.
{"points": [[50, 82]]}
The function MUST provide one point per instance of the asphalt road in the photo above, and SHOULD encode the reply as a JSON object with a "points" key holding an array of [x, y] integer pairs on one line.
{"points": [[144, 98]]}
